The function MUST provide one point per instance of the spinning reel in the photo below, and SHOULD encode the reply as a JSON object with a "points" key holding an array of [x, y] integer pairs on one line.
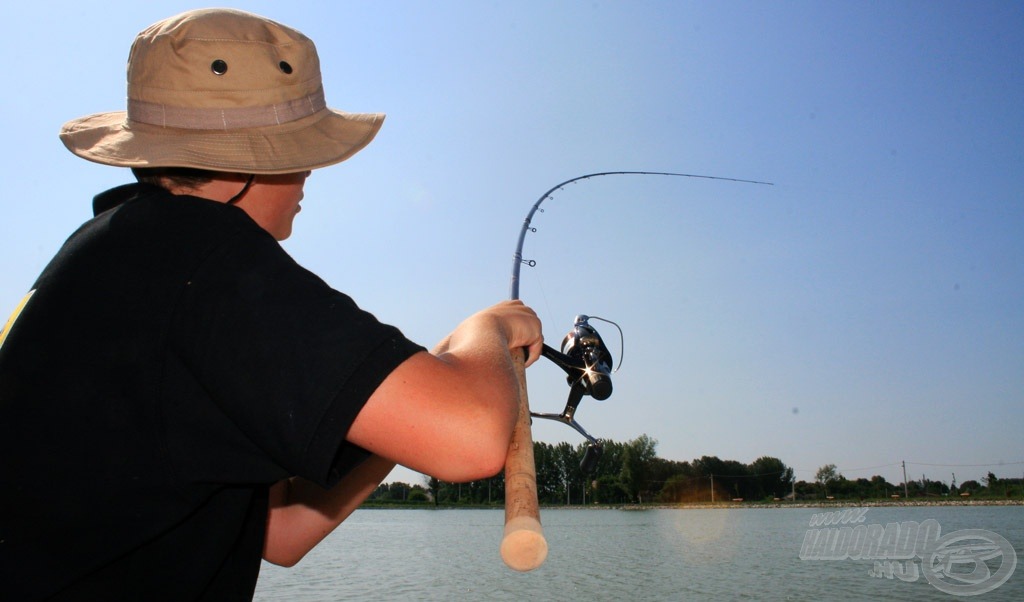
{"points": [[588, 366]]}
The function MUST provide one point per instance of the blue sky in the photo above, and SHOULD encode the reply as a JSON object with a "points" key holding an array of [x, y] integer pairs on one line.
{"points": [[865, 310]]}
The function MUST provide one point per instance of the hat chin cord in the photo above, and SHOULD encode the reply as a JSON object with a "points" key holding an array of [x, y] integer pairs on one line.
{"points": [[242, 192]]}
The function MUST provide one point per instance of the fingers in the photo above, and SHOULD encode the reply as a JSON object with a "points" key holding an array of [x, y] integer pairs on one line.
{"points": [[522, 328], [533, 352], [512, 323]]}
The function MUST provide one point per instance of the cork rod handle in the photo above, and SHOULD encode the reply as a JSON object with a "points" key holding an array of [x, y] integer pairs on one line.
{"points": [[523, 547]]}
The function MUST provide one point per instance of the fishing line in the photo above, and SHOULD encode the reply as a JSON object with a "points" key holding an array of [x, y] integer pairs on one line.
{"points": [[518, 261]]}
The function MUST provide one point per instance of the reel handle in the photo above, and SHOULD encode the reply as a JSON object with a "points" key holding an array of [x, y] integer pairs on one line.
{"points": [[590, 459]]}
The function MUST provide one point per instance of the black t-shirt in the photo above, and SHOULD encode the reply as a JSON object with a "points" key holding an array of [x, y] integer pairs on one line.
{"points": [[172, 363]]}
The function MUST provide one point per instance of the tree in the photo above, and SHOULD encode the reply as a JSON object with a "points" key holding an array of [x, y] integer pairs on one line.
{"points": [[710, 467], [608, 489], [611, 461], [637, 463], [434, 487], [804, 490], [736, 479], [841, 487], [934, 488], [565, 462], [825, 475], [680, 488], [674, 481], [773, 478], [549, 485], [880, 487]]}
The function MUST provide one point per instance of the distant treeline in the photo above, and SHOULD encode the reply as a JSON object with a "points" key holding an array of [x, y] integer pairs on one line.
{"points": [[632, 472]]}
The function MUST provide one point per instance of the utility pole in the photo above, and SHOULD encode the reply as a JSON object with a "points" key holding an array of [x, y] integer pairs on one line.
{"points": [[906, 494], [712, 489]]}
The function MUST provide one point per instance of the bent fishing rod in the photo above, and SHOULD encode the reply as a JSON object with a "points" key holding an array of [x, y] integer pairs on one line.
{"points": [[588, 366]]}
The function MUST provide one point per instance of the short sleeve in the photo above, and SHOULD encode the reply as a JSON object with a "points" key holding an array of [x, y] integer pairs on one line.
{"points": [[285, 359]]}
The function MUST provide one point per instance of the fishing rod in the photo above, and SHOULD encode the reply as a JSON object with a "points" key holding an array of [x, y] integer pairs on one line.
{"points": [[588, 366]]}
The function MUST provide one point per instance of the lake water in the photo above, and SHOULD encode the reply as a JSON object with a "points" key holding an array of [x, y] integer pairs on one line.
{"points": [[671, 554]]}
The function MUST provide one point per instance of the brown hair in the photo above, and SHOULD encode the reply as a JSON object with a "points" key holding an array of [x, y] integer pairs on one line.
{"points": [[188, 178]]}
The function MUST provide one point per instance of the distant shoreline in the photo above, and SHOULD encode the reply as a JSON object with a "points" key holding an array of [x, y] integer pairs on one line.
{"points": [[707, 505], [821, 504]]}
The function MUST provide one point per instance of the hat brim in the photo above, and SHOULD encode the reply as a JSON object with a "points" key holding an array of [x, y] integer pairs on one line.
{"points": [[324, 138]]}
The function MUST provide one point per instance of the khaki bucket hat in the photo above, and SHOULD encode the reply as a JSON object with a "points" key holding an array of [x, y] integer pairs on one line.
{"points": [[222, 90]]}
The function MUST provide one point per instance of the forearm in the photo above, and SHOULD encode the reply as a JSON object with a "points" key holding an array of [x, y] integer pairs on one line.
{"points": [[479, 354], [302, 514]]}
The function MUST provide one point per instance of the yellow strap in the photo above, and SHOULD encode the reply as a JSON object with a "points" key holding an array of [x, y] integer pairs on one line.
{"points": [[14, 316]]}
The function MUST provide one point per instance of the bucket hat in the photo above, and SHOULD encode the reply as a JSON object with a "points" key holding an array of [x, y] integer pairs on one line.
{"points": [[222, 90]]}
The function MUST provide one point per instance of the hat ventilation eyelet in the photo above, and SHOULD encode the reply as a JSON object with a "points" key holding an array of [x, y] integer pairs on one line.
{"points": [[219, 67]]}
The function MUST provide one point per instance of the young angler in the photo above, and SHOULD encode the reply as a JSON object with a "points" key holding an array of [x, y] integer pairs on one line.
{"points": [[179, 398]]}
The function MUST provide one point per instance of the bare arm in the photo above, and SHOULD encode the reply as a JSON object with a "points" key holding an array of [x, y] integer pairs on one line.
{"points": [[451, 415], [302, 514], [448, 414]]}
